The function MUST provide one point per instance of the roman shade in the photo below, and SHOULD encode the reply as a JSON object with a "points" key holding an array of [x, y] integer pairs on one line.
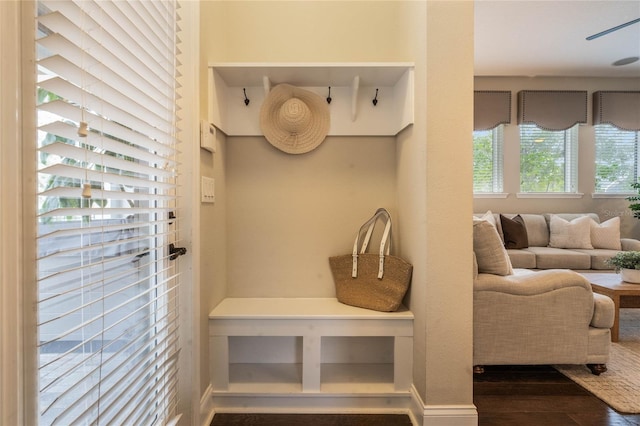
{"points": [[620, 109], [552, 109], [490, 109]]}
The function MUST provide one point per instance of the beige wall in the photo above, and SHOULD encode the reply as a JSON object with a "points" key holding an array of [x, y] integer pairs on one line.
{"points": [[604, 207], [278, 217]]}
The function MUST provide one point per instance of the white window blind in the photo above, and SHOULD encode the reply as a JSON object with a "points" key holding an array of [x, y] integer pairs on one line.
{"points": [[616, 159], [107, 286], [488, 164], [548, 159]]}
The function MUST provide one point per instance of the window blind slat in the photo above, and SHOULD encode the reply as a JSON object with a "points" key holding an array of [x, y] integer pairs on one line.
{"points": [[144, 326], [73, 113], [63, 269], [74, 192], [617, 159], [93, 403], [95, 53], [103, 80], [138, 296], [81, 30], [149, 337], [140, 371], [548, 159], [132, 30], [80, 173], [141, 407], [128, 375], [130, 224], [69, 131], [143, 123], [137, 26], [90, 156]]}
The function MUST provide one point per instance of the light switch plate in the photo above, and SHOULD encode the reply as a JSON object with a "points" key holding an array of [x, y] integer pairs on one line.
{"points": [[207, 190]]}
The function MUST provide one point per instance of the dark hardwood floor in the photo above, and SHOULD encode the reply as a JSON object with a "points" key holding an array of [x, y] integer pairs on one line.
{"points": [[503, 395], [539, 395]]}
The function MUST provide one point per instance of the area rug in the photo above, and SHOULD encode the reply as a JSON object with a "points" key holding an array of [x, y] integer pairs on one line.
{"points": [[619, 387]]}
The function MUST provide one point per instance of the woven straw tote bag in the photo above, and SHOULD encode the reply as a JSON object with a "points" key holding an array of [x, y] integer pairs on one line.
{"points": [[375, 281]]}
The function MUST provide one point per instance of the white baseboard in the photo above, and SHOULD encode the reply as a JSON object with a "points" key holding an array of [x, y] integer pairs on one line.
{"points": [[229, 402], [441, 415], [207, 410]]}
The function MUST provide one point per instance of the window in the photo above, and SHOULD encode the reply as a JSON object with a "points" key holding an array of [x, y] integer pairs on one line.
{"points": [[107, 287], [617, 159], [548, 159], [487, 160]]}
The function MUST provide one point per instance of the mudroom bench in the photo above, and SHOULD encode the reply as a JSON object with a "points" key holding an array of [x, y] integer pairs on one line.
{"points": [[306, 347]]}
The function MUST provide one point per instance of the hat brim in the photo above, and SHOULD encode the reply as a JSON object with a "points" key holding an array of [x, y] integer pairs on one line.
{"points": [[308, 138]]}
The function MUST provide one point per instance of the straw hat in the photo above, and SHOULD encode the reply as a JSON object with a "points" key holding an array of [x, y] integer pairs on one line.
{"points": [[294, 120]]}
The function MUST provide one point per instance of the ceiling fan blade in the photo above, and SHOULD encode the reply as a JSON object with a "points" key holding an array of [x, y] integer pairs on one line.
{"points": [[610, 30]]}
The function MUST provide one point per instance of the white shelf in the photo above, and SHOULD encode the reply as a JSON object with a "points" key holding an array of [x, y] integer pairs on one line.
{"points": [[265, 378], [356, 378], [353, 87]]}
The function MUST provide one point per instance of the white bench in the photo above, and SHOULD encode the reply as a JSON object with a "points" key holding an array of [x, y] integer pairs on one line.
{"points": [[242, 362]]}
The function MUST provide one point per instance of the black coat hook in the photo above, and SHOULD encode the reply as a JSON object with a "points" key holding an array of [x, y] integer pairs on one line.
{"points": [[375, 100], [329, 96], [246, 100]]}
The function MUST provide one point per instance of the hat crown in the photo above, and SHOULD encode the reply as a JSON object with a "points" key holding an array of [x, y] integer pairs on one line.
{"points": [[294, 116]]}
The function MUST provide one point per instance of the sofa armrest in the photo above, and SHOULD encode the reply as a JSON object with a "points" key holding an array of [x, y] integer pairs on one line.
{"points": [[629, 244], [539, 317], [531, 283], [603, 312]]}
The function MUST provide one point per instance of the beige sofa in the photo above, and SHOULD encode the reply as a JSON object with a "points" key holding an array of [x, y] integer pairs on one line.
{"points": [[540, 255], [540, 317]]}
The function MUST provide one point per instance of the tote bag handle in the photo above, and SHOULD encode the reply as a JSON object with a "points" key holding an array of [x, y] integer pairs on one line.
{"points": [[385, 242]]}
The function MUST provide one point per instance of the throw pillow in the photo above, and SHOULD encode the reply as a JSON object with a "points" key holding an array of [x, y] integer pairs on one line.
{"points": [[606, 235], [575, 234], [491, 256], [489, 217], [515, 232]]}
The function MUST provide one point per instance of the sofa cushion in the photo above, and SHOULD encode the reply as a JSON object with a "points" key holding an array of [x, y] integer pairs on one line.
{"points": [[555, 258], [606, 235], [522, 259], [570, 234], [599, 257], [490, 253], [537, 229], [515, 232]]}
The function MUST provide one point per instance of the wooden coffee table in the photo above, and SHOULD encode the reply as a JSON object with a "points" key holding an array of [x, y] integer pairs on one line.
{"points": [[624, 295]]}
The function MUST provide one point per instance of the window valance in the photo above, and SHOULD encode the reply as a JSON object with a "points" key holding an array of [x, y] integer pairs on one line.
{"points": [[620, 109], [490, 109], [552, 109]]}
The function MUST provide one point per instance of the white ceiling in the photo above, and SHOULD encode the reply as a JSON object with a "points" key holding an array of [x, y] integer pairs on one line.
{"points": [[547, 38]]}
